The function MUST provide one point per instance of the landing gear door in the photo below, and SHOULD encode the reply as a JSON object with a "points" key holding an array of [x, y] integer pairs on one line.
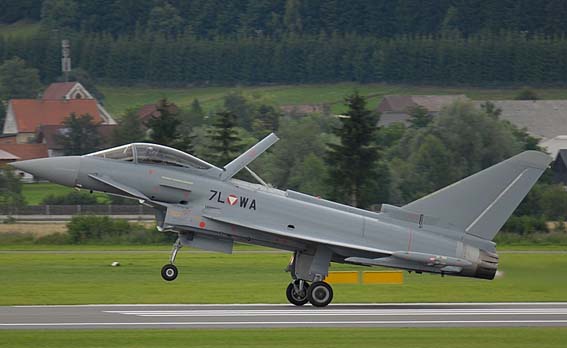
{"points": [[177, 215]]}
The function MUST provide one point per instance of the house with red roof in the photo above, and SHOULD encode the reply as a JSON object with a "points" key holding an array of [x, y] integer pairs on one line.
{"points": [[24, 117], [31, 125], [146, 112], [397, 108], [71, 91]]}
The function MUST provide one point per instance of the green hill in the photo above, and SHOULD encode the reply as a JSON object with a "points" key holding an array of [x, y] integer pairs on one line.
{"points": [[118, 99]]}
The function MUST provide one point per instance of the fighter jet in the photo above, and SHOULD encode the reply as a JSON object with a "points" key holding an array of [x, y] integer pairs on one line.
{"points": [[448, 232]]}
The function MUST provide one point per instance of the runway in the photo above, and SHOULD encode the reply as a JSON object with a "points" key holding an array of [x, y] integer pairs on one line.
{"points": [[283, 316]]}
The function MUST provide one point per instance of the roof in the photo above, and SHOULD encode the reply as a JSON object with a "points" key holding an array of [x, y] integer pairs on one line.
{"points": [[6, 156], [563, 155], [8, 138], [302, 109], [149, 110], [32, 113], [47, 134], [546, 119], [25, 151], [402, 103], [58, 90]]}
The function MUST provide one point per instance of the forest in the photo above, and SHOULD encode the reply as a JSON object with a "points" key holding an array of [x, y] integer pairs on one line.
{"points": [[504, 58], [295, 41], [214, 18]]}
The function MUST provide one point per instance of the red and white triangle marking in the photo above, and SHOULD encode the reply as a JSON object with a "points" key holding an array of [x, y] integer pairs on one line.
{"points": [[232, 199]]}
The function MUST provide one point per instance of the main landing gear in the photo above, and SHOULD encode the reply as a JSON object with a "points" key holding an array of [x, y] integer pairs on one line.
{"points": [[169, 272], [319, 294], [313, 268], [299, 292]]}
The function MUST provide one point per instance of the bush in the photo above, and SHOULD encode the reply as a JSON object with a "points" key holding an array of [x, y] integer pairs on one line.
{"points": [[527, 94], [55, 238], [84, 228], [526, 224], [71, 198], [104, 230], [16, 238], [553, 201]]}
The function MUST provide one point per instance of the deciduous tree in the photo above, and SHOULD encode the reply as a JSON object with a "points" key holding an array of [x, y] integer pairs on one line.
{"points": [[17, 80], [129, 130], [79, 135]]}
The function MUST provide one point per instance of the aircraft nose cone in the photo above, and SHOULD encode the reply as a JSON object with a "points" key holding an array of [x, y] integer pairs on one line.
{"points": [[60, 170]]}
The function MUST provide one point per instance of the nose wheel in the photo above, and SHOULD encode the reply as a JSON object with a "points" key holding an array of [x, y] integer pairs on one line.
{"points": [[169, 272]]}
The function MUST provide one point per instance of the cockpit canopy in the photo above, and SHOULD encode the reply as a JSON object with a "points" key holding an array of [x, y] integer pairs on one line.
{"points": [[145, 153]]}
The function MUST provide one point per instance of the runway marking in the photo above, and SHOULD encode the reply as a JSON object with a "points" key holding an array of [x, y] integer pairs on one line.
{"points": [[344, 312], [384, 304], [342, 322]]}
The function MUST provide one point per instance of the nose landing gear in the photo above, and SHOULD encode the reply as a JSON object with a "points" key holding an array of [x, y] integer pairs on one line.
{"points": [[169, 272]]}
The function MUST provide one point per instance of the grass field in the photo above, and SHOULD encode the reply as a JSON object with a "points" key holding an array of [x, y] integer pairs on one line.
{"points": [[34, 193], [19, 29], [59, 278], [118, 99], [324, 338]]}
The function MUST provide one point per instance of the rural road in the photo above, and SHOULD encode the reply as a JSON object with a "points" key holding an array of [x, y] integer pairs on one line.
{"points": [[272, 316]]}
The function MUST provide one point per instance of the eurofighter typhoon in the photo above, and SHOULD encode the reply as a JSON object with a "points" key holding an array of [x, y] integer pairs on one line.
{"points": [[448, 232]]}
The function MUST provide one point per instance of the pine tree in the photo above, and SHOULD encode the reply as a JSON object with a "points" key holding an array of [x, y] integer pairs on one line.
{"points": [[352, 161], [224, 140], [164, 128]]}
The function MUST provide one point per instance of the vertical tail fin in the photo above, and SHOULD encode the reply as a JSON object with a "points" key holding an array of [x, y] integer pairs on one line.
{"points": [[481, 203]]}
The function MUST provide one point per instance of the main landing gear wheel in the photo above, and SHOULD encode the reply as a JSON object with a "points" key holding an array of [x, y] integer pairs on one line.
{"points": [[297, 292], [320, 294], [169, 272]]}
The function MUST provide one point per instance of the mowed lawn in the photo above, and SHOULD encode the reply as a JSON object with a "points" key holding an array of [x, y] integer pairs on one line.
{"points": [[119, 99], [35, 193], [76, 278], [324, 338]]}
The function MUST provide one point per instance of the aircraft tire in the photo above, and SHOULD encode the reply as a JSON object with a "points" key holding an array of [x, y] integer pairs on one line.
{"points": [[295, 298], [320, 294], [169, 272]]}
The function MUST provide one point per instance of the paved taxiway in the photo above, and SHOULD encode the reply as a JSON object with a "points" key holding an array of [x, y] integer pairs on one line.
{"points": [[266, 315]]}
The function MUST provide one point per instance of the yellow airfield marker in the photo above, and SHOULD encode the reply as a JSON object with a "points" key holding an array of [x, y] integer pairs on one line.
{"points": [[367, 277], [344, 277], [383, 277]]}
